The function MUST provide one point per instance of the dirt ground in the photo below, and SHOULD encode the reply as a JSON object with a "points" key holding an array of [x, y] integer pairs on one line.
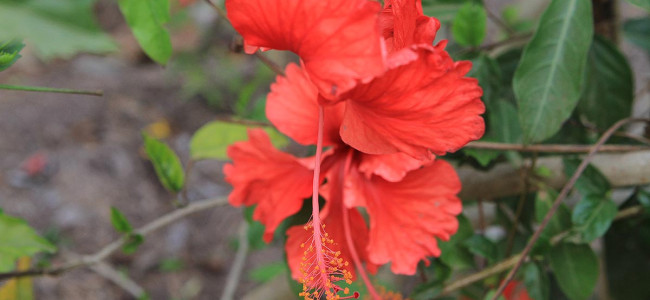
{"points": [[92, 146]]}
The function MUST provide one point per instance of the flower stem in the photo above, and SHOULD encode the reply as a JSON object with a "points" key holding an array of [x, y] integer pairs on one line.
{"points": [[315, 212], [348, 234], [49, 90]]}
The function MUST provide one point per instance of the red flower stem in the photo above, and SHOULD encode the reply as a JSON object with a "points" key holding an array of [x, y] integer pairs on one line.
{"points": [[348, 234], [315, 210]]}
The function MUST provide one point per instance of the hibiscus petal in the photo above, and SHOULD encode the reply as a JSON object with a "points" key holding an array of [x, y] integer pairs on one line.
{"points": [[404, 24], [406, 217], [260, 174], [392, 167], [338, 40], [292, 106], [421, 107]]}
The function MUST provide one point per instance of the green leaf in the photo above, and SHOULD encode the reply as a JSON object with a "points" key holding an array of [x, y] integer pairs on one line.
{"points": [[609, 88], [454, 253], [560, 221], [134, 241], [59, 28], [481, 246], [166, 163], [503, 127], [590, 182], [212, 140], [21, 288], [641, 3], [267, 272], [10, 53], [119, 221], [644, 198], [255, 231], [576, 269], [536, 281], [592, 216], [490, 295], [548, 81], [18, 240], [171, 265], [637, 32], [469, 25], [147, 19], [488, 73]]}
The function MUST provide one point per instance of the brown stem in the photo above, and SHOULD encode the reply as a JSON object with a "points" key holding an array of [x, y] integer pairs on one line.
{"points": [[554, 148], [560, 198]]}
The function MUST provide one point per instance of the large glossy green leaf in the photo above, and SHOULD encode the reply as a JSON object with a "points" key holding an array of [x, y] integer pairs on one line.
{"points": [[590, 182], [609, 88], [147, 19], [576, 269], [469, 26], [18, 240], [637, 31], [59, 28], [166, 163], [641, 3], [212, 140], [548, 81], [592, 216]]}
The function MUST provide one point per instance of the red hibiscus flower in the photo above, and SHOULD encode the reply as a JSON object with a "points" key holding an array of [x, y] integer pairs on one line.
{"points": [[383, 131], [516, 290], [338, 41]]}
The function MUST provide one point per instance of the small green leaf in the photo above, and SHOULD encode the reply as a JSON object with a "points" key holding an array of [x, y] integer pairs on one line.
{"points": [[548, 81], [469, 25], [454, 253], [481, 246], [576, 269], [18, 240], [641, 3], [267, 272], [212, 140], [536, 281], [590, 182], [171, 265], [609, 88], [134, 241], [637, 32], [592, 216], [490, 295], [560, 221], [166, 163], [119, 221], [147, 19], [9, 53]]}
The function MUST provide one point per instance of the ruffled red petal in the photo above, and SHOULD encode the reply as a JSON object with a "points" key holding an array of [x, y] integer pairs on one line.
{"points": [[424, 106], [404, 24], [292, 106], [406, 217], [392, 167], [516, 290], [260, 174], [338, 40]]}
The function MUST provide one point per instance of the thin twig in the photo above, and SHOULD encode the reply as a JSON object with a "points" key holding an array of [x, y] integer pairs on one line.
{"points": [[50, 90], [560, 199], [107, 271], [511, 261], [238, 265], [499, 22], [554, 148], [109, 249]]}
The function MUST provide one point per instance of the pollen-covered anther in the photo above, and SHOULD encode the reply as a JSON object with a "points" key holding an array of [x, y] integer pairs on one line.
{"points": [[322, 268]]}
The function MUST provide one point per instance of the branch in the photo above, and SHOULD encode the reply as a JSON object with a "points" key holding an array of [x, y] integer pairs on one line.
{"points": [[508, 263], [50, 90], [108, 272], [554, 148], [102, 254], [238, 264], [560, 198]]}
